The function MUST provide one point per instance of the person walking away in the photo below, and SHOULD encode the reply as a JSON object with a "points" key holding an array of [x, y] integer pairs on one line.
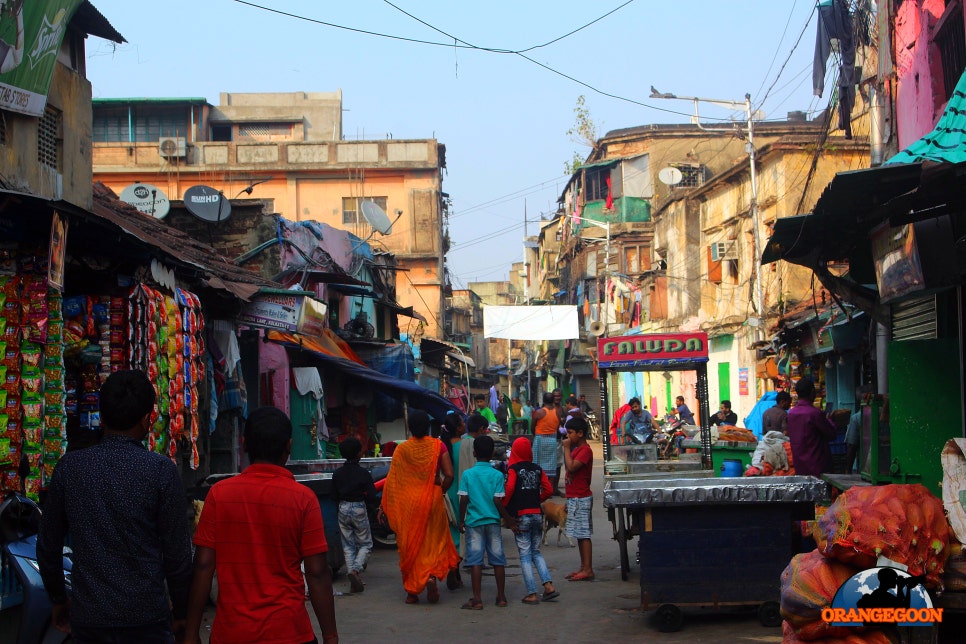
{"points": [[526, 486], [637, 422], [355, 494], [412, 500], [775, 419], [455, 430], [809, 432], [481, 508], [480, 401], [725, 416], [256, 531], [494, 397], [545, 425], [579, 462], [126, 512]]}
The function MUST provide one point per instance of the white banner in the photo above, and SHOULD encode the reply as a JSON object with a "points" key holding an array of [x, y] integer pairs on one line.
{"points": [[530, 322]]}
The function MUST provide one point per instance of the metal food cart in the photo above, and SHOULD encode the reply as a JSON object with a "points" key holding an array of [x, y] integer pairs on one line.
{"points": [[650, 352], [715, 542]]}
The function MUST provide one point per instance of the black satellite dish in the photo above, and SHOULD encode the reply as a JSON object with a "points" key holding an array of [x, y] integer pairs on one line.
{"points": [[207, 204]]}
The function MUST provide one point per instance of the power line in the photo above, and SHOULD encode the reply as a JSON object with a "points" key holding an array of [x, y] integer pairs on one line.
{"points": [[778, 48], [789, 57]]}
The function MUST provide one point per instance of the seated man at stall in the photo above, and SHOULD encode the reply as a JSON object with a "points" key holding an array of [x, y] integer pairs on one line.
{"points": [[725, 416], [638, 422]]}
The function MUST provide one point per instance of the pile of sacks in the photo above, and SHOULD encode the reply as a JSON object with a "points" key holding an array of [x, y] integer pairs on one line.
{"points": [[904, 523], [772, 457]]}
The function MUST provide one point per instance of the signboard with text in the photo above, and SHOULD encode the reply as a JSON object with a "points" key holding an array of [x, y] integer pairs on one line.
{"points": [[30, 37], [656, 349], [273, 311]]}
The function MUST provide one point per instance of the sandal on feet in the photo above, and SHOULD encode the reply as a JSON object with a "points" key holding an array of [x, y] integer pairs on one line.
{"points": [[572, 574], [472, 604], [501, 602], [432, 591], [533, 600], [547, 596], [582, 576], [412, 599]]}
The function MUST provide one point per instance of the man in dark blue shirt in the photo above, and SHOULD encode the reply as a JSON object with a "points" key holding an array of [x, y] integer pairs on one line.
{"points": [[126, 512]]}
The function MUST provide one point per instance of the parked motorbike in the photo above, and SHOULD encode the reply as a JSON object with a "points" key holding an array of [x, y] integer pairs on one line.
{"points": [[28, 618], [593, 425]]}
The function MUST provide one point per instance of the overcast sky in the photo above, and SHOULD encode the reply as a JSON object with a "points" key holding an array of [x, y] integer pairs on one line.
{"points": [[502, 117]]}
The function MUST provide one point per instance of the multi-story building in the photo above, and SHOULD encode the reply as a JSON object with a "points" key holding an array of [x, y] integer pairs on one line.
{"points": [[288, 149]]}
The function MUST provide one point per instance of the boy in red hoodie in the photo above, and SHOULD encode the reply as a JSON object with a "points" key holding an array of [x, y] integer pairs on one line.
{"points": [[526, 486]]}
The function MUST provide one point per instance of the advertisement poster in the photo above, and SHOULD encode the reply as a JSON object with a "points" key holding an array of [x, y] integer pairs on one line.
{"points": [[898, 270], [30, 37], [743, 381], [58, 252], [273, 311]]}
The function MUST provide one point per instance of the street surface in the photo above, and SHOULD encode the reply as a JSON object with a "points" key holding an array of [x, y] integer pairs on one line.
{"points": [[604, 610]]}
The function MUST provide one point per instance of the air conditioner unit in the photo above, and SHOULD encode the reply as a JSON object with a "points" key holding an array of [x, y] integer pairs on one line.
{"points": [[724, 250], [172, 147]]}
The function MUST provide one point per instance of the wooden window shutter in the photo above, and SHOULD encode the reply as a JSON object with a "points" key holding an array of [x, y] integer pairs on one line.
{"points": [[714, 268]]}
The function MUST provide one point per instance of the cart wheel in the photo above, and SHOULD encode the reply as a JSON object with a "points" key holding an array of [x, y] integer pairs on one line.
{"points": [[622, 545], [669, 618], [770, 614]]}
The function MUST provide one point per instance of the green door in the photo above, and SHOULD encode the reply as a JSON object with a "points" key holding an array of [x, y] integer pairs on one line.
{"points": [[724, 385], [304, 412]]}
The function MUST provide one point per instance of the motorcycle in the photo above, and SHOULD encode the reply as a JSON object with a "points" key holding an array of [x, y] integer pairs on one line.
{"points": [[593, 425], [29, 617]]}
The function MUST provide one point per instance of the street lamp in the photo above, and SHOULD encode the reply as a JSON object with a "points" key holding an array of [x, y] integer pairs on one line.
{"points": [[756, 233]]}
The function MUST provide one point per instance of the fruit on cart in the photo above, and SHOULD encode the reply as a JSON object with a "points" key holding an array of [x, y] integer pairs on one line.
{"points": [[903, 522], [809, 584]]}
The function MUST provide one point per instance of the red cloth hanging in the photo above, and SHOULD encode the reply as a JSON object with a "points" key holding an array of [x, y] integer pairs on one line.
{"points": [[609, 204]]}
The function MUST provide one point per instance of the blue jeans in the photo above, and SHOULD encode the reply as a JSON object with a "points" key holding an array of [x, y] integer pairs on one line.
{"points": [[484, 538], [356, 535], [528, 540]]}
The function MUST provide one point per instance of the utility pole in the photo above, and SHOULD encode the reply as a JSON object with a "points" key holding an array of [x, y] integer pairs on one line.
{"points": [[759, 298]]}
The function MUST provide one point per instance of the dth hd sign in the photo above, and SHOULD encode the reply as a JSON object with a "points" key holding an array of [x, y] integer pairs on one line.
{"points": [[652, 348]]}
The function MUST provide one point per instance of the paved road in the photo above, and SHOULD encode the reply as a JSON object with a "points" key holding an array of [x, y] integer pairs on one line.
{"points": [[606, 609]]}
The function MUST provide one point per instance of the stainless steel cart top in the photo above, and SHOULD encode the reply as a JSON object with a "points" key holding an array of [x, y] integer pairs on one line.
{"points": [[683, 491]]}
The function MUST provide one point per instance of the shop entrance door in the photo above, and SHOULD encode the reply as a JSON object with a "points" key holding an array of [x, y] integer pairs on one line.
{"points": [[304, 412]]}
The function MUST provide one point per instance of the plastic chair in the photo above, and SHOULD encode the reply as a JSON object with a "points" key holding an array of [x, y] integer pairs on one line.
{"points": [[513, 419]]}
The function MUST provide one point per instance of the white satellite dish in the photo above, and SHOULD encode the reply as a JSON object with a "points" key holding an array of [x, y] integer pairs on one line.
{"points": [[670, 176], [147, 198], [376, 217]]}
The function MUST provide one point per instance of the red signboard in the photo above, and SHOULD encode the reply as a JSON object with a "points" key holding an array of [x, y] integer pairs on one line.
{"points": [[652, 348]]}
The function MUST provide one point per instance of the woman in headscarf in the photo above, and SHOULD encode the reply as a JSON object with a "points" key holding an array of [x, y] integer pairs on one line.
{"points": [[412, 500]]}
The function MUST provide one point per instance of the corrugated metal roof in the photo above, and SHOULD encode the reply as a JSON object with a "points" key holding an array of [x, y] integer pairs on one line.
{"points": [[89, 20], [191, 100], [217, 271]]}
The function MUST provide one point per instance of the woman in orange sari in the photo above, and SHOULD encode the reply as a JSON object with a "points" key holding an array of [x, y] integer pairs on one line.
{"points": [[412, 500]]}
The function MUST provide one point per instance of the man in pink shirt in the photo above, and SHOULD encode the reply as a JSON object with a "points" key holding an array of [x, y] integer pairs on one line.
{"points": [[809, 432]]}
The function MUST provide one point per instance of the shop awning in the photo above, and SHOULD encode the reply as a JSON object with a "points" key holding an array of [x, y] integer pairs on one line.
{"points": [[431, 351], [416, 396], [408, 311]]}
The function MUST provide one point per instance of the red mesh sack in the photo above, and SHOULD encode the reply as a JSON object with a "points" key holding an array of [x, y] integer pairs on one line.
{"points": [[809, 584], [906, 523], [854, 636]]}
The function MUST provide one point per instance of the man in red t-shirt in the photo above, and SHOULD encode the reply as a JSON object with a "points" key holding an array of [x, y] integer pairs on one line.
{"points": [[579, 465], [255, 531]]}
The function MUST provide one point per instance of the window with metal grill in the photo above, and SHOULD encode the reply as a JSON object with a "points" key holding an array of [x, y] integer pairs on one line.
{"points": [[352, 208], [951, 41], [48, 138], [692, 175], [264, 131]]}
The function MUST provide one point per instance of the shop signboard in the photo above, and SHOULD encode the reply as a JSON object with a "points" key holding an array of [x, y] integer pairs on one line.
{"points": [[652, 348], [898, 269], [312, 317], [30, 37], [743, 381], [273, 311]]}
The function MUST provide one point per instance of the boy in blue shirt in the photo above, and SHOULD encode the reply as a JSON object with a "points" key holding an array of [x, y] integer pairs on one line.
{"points": [[481, 494]]}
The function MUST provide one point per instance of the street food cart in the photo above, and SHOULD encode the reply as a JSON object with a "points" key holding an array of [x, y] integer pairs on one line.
{"points": [[715, 542], [627, 463]]}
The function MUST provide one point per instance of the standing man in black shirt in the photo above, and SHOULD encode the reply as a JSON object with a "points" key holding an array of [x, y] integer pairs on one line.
{"points": [[126, 512]]}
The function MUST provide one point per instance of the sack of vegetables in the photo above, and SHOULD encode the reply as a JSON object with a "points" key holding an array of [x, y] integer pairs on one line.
{"points": [[905, 523], [809, 583]]}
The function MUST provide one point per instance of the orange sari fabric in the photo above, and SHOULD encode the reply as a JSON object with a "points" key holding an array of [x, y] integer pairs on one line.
{"points": [[413, 504]]}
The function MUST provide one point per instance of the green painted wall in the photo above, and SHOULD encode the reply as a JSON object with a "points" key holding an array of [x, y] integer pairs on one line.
{"points": [[925, 390], [625, 209]]}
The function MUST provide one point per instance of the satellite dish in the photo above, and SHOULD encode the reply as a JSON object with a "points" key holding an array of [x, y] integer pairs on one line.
{"points": [[147, 198], [670, 176], [207, 204], [596, 329], [376, 217]]}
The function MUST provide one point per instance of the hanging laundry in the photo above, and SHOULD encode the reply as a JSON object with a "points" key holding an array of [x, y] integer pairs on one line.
{"points": [[835, 22], [609, 202]]}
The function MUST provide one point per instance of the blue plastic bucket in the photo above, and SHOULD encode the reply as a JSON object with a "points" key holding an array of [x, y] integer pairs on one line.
{"points": [[731, 468]]}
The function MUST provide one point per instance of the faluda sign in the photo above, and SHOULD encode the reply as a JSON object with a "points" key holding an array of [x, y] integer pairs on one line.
{"points": [[652, 348]]}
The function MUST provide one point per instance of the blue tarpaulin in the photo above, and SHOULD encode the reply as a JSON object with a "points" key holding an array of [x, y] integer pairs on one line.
{"points": [[395, 361], [753, 420]]}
